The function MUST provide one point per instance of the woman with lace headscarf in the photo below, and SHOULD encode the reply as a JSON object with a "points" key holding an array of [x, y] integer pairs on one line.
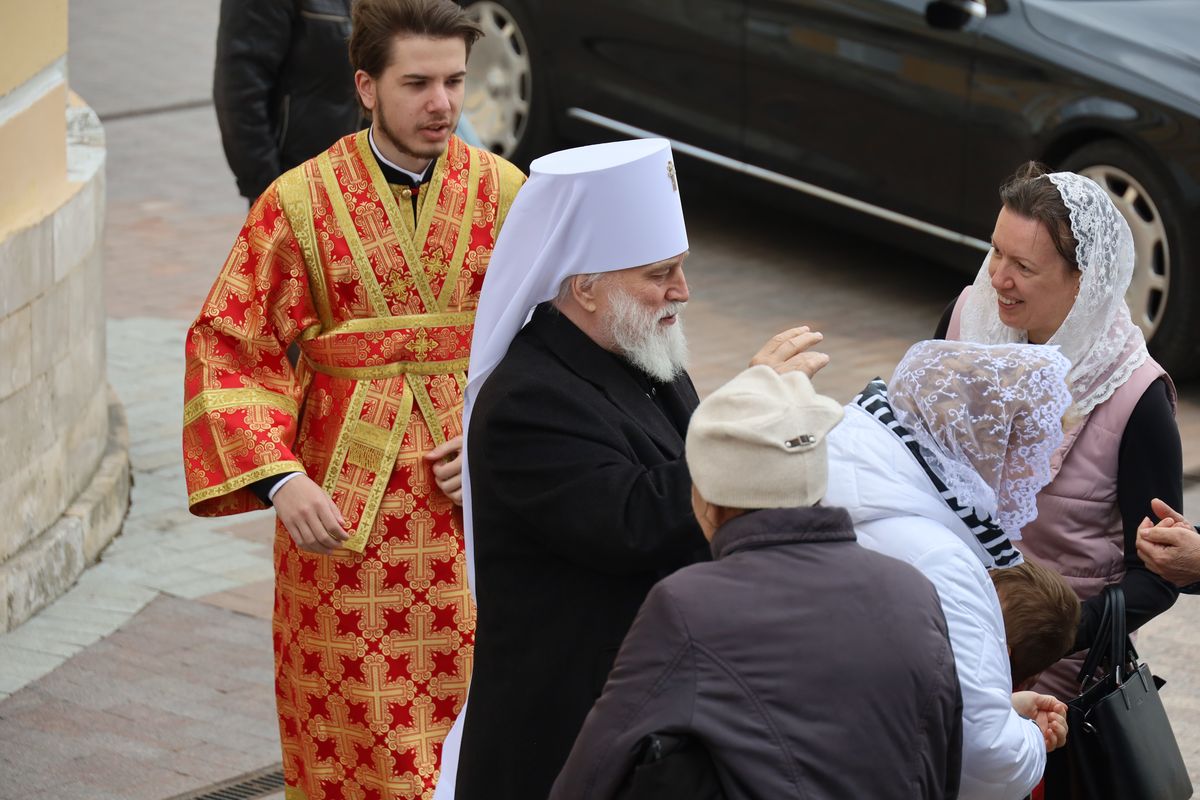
{"points": [[940, 468], [1062, 257]]}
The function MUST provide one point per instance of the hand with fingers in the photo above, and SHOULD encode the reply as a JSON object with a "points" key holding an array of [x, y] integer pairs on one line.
{"points": [[789, 351], [310, 517], [1170, 548], [446, 460], [1047, 712]]}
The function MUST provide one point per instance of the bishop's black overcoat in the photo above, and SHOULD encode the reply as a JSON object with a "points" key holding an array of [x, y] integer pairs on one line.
{"points": [[581, 502]]}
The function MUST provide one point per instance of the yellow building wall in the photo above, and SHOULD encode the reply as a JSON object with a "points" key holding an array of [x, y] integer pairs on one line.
{"points": [[33, 162], [32, 36], [33, 129]]}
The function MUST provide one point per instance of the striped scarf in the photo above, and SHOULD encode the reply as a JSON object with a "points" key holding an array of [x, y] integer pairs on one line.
{"points": [[991, 537]]}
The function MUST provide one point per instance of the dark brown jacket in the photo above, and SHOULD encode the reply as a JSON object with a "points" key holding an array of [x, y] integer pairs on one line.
{"points": [[809, 666]]}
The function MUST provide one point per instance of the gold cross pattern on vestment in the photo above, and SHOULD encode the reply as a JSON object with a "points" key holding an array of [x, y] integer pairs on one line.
{"points": [[421, 346]]}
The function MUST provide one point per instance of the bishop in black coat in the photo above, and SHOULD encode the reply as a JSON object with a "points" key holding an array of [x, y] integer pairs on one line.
{"points": [[581, 501]]}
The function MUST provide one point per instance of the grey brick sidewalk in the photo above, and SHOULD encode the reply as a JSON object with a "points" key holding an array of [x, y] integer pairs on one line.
{"points": [[153, 676]]}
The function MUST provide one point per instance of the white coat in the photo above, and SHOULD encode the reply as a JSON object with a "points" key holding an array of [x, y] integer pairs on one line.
{"points": [[897, 511]]}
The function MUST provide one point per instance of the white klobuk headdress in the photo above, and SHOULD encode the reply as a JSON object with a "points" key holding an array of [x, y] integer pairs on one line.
{"points": [[987, 419], [1098, 336], [600, 208]]}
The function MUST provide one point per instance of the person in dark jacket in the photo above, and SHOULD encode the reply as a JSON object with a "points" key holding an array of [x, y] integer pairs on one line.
{"points": [[283, 86], [808, 666], [578, 498]]}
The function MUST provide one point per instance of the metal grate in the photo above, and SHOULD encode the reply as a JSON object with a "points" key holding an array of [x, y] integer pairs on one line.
{"points": [[244, 787]]}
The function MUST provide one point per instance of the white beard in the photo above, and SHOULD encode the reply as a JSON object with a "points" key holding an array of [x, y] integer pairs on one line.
{"points": [[660, 352]]}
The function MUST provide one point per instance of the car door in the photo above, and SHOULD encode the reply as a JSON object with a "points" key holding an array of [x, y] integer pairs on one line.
{"points": [[860, 97], [670, 67]]}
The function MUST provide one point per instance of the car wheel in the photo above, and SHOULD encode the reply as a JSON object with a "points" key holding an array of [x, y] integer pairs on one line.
{"points": [[1162, 297], [505, 100]]}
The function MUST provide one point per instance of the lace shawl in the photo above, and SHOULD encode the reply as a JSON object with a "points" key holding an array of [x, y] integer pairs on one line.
{"points": [[1098, 335], [987, 419], [986, 532]]}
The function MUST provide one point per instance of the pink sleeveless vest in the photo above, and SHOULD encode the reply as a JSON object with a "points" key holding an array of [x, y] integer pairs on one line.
{"points": [[1078, 529]]}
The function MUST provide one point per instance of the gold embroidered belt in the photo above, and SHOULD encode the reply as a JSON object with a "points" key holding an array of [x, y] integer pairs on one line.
{"points": [[394, 362]]}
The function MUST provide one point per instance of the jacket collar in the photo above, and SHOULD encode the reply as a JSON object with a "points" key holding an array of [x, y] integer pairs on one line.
{"points": [[776, 526], [612, 376]]}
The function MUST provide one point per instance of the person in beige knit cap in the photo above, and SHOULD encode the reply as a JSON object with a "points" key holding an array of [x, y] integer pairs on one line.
{"points": [[797, 663]]}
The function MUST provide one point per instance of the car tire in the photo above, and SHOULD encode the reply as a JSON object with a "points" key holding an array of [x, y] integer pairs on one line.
{"points": [[1164, 296], [506, 100]]}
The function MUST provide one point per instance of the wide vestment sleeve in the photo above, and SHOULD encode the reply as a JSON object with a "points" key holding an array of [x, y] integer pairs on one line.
{"points": [[587, 498], [241, 395], [652, 688]]}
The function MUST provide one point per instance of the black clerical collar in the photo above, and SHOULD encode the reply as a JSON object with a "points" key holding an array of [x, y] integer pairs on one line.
{"points": [[394, 175]]}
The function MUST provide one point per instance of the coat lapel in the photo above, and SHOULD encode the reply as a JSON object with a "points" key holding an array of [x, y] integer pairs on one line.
{"points": [[603, 370]]}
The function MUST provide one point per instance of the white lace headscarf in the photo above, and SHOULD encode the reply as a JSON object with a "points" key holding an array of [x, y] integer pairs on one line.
{"points": [[1098, 335], [987, 419]]}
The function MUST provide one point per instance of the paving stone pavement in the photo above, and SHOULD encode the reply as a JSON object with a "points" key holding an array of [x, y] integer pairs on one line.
{"points": [[152, 676]]}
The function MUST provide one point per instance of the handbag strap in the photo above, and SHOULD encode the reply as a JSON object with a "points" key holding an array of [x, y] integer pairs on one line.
{"points": [[1112, 647], [1118, 637], [1087, 673]]}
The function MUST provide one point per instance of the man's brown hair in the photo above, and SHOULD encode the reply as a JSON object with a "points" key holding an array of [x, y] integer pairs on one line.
{"points": [[1041, 617], [1031, 194], [376, 24]]}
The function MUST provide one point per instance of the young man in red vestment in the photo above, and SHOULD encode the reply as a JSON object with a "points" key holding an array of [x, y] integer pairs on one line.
{"points": [[371, 258]]}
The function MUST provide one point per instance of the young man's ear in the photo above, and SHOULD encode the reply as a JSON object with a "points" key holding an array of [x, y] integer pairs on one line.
{"points": [[364, 84]]}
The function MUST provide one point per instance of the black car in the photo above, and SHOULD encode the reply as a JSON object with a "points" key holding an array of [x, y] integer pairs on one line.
{"points": [[907, 114]]}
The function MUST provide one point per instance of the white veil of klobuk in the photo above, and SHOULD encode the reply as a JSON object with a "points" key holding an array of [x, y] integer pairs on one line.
{"points": [[599, 208], [1098, 336], [987, 419]]}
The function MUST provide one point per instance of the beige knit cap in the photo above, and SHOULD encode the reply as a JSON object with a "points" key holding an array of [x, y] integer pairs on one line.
{"points": [[759, 441]]}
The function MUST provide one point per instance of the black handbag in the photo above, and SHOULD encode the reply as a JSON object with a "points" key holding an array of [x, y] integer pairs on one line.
{"points": [[1119, 740], [671, 767]]}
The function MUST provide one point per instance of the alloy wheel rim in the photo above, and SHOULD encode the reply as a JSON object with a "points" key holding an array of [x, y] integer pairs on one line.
{"points": [[496, 101], [1148, 290]]}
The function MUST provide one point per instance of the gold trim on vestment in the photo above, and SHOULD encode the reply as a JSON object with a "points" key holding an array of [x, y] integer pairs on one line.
{"points": [[410, 245], [341, 210], [504, 194], [295, 197], [311, 332], [368, 443], [221, 399], [243, 480], [364, 440], [404, 322], [292, 793], [338, 457], [427, 204], [464, 231], [425, 403], [392, 370], [383, 473]]}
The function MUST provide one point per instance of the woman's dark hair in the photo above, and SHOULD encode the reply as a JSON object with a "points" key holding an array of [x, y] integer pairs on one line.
{"points": [[376, 23], [1031, 194]]}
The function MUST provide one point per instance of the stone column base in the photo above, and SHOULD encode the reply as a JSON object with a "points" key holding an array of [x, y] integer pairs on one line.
{"points": [[49, 564]]}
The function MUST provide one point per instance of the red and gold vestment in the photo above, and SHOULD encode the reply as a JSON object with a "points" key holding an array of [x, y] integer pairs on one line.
{"points": [[373, 646]]}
